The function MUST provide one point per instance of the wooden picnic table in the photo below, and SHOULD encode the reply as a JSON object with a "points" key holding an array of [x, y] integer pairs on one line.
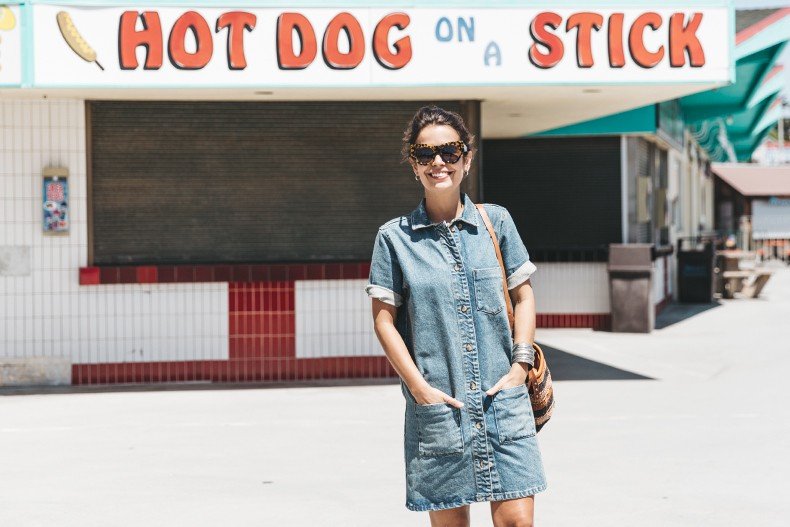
{"points": [[736, 279]]}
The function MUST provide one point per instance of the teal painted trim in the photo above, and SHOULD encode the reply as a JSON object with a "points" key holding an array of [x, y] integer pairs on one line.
{"points": [[479, 4], [703, 106], [733, 60], [768, 88], [768, 120], [772, 35], [26, 27], [760, 79], [638, 120], [352, 86], [700, 114], [698, 111], [744, 151]]}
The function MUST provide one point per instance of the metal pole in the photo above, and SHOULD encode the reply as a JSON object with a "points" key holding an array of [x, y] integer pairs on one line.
{"points": [[782, 128]]}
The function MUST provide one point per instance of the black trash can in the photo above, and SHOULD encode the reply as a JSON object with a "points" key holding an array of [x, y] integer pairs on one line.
{"points": [[631, 287], [696, 259]]}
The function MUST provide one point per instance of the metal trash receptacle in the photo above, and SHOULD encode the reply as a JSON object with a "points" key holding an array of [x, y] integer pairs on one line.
{"points": [[696, 261], [631, 287]]}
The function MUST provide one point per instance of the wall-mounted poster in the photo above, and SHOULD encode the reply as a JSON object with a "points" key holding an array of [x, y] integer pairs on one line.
{"points": [[56, 200]]}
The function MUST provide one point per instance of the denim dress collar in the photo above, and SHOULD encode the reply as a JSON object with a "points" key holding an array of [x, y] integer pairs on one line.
{"points": [[418, 218]]}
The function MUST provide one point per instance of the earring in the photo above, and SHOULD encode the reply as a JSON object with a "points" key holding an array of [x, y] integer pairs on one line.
{"points": [[416, 177]]}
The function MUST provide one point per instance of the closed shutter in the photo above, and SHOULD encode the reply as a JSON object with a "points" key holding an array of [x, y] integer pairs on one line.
{"points": [[236, 182], [563, 193]]}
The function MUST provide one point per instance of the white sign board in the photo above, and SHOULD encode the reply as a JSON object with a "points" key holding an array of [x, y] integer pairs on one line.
{"points": [[10, 46], [225, 47], [770, 218]]}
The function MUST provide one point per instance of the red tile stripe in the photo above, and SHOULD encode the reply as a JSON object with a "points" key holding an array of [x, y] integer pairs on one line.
{"points": [[262, 319], [236, 370], [599, 321], [149, 274]]}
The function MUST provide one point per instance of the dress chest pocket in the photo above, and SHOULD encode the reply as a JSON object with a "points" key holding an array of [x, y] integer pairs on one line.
{"points": [[439, 429], [488, 290], [513, 414]]}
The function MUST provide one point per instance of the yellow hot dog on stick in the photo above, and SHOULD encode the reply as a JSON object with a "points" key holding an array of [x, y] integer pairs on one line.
{"points": [[74, 39]]}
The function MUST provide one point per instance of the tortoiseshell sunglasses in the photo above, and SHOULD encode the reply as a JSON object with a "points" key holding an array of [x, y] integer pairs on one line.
{"points": [[450, 152]]}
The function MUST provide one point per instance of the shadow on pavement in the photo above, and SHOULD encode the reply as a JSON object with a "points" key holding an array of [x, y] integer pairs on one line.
{"points": [[674, 313], [565, 366]]}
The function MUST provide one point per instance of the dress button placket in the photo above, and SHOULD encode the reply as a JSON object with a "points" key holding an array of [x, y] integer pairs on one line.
{"points": [[480, 448]]}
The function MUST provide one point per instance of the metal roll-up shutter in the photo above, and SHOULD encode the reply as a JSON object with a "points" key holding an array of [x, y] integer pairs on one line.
{"points": [[562, 192], [213, 182]]}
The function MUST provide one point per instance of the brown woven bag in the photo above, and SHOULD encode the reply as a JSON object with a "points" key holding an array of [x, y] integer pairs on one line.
{"points": [[541, 392]]}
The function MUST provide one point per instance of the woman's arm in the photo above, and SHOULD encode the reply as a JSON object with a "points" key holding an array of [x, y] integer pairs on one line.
{"points": [[384, 316], [523, 331], [523, 298]]}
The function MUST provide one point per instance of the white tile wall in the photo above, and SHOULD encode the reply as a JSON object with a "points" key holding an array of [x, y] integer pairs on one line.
{"points": [[658, 279], [334, 319], [571, 287], [47, 312]]}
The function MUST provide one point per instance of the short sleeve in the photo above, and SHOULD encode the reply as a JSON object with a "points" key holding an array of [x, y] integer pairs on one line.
{"points": [[518, 267], [386, 278]]}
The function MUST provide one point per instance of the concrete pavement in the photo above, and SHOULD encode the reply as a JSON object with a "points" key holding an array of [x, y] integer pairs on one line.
{"points": [[687, 426]]}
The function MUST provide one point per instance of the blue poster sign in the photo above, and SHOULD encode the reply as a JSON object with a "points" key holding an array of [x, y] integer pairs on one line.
{"points": [[56, 204]]}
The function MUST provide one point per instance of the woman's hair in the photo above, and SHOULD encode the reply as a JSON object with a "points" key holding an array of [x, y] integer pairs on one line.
{"points": [[428, 115]]}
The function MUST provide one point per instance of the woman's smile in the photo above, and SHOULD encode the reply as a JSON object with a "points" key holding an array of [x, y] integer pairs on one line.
{"points": [[440, 174]]}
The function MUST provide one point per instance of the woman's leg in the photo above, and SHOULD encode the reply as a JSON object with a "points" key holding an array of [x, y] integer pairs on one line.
{"points": [[455, 517], [513, 513]]}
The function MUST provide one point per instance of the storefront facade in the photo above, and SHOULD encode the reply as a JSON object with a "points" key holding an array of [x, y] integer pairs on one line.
{"points": [[668, 148], [191, 191]]}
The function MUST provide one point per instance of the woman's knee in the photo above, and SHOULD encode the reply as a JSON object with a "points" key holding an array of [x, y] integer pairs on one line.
{"points": [[456, 517]]}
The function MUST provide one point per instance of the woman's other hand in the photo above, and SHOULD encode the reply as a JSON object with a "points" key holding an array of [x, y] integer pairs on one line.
{"points": [[517, 375], [427, 394]]}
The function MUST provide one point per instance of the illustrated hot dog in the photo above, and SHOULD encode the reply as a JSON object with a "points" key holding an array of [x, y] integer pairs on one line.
{"points": [[74, 39]]}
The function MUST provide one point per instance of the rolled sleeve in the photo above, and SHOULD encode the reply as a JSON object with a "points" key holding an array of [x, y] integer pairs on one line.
{"points": [[518, 267], [386, 278]]}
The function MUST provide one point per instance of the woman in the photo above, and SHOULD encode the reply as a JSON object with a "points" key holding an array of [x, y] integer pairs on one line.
{"points": [[439, 313]]}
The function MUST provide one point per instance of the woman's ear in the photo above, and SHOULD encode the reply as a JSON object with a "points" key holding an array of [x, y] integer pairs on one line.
{"points": [[414, 167], [468, 162]]}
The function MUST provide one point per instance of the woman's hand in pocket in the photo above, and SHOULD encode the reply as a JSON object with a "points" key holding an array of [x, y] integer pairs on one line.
{"points": [[430, 395], [517, 375]]}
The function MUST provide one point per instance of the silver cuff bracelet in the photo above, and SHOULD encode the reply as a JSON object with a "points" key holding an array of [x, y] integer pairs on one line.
{"points": [[523, 352]]}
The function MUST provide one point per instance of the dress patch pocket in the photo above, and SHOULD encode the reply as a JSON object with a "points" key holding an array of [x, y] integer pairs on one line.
{"points": [[439, 429], [488, 290], [513, 414]]}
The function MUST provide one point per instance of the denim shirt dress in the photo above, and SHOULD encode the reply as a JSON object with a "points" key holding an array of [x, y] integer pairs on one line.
{"points": [[445, 280]]}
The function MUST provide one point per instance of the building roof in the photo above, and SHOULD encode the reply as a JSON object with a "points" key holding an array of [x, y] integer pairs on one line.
{"points": [[755, 180], [748, 17]]}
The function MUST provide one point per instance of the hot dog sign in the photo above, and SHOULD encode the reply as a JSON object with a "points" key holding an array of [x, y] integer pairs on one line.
{"points": [[10, 46], [322, 47]]}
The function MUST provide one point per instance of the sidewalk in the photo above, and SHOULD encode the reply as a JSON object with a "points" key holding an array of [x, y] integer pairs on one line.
{"points": [[686, 426]]}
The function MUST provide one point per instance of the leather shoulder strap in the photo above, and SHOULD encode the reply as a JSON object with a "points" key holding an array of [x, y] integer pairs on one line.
{"points": [[510, 318]]}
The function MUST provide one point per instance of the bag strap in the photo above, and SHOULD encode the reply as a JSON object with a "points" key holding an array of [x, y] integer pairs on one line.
{"points": [[510, 318]]}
